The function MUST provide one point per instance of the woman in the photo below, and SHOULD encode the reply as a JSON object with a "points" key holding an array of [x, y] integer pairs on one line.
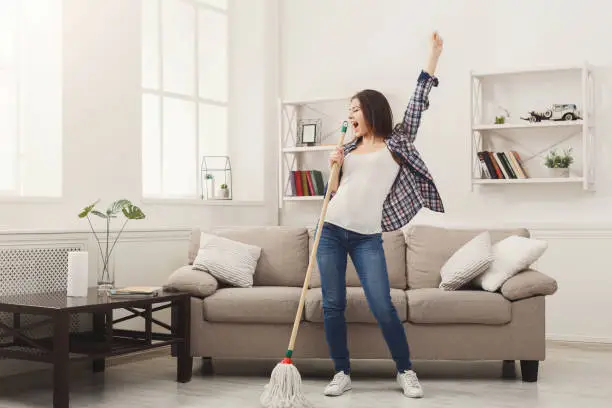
{"points": [[383, 183]]}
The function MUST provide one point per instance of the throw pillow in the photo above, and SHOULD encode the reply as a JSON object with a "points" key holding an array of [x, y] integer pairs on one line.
{"points": [[510, 256], [229, 261], [197, 283], [469, 261]]}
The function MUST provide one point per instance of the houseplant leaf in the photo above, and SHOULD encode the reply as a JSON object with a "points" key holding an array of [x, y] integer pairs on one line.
{"points": [[88, 209], [133, 212], [99, 214], [117, 206]]}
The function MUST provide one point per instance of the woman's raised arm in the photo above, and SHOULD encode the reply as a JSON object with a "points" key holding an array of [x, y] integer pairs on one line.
{"points": [[419, 101]]}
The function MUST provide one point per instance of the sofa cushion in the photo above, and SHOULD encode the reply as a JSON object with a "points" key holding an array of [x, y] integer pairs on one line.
{"points": [[394, 246], [437, 306], [260, 304], [229, 261], [284, 252], [429, 247], [528, 283], [196, 283], [470, 261], [357, 309], [510, 256]]}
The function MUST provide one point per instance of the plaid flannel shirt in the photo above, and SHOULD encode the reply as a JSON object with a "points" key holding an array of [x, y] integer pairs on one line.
{"points": [[414, 187]]}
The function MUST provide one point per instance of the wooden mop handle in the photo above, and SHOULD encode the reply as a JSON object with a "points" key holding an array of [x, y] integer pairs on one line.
{"points": [[313, 253]]}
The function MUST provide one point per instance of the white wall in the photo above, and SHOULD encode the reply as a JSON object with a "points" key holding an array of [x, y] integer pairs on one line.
{"points": [[333, 48], [102, 156]]}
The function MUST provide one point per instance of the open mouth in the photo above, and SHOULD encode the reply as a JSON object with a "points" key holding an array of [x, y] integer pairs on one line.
{"points": [[355, 125]]}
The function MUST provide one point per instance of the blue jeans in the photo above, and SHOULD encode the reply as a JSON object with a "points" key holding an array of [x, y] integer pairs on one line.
{"points": [[366, 252]]}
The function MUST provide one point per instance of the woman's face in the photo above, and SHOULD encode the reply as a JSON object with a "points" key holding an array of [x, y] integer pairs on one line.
{"points": [[360, 127]]}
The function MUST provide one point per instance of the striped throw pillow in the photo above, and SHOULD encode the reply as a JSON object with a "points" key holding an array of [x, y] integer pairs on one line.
{"points": [[470, 261], [229, 261]]}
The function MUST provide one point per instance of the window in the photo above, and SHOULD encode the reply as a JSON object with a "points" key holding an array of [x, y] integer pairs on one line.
{"points": [[185, 93], [30, 98]]}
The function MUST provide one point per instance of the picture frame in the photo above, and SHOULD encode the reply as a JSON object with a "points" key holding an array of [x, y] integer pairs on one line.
{"points": [[309, 132]]}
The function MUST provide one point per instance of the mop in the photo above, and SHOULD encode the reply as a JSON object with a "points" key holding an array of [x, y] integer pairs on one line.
{"points": [[285, 387]]}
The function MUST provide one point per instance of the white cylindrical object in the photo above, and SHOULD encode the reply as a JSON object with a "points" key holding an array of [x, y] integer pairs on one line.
{"points": [[78, 273]]}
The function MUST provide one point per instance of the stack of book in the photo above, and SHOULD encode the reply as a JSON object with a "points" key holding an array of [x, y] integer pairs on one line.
{"points": [[501, 165], [307, 183], [136, 291]]}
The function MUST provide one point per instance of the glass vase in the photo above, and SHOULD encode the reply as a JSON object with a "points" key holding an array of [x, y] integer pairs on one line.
{"points": [[106, 272]]}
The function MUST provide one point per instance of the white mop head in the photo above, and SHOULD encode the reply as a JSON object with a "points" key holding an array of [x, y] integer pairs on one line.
{"points": [[285, 388]]}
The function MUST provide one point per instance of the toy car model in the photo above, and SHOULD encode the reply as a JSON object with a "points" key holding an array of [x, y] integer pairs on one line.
{"points": [[533, 116], [568, 111]]}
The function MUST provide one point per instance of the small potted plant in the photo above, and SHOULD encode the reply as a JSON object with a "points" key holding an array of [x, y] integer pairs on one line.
{"points": [[558, 164], [224, 191], [500, 120]]}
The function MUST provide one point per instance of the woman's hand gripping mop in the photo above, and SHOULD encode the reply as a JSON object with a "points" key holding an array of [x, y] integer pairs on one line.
{"points": [[285, 387]]}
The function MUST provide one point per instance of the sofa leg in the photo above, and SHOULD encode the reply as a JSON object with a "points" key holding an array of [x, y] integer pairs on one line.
{"points": [[509, 369], [529, 370], [206, 367]]}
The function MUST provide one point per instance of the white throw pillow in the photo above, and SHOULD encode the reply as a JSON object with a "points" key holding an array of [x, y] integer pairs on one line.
{"points": [[469, 261], [229, 261], [510, 256]]}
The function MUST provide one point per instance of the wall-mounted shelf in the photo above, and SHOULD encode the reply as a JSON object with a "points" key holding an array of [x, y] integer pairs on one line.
{"points": [[523, 90], [305, 149], [311, 159], [527, 125], [303, 198], [532, 180]]}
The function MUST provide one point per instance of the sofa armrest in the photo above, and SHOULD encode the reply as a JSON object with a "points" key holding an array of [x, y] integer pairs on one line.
{"points": [[528, 283], [186, 279]]}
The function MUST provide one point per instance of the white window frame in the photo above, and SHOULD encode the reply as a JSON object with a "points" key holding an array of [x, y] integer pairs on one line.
{"points": [[17, 193], [13, 72], [194, 97]]}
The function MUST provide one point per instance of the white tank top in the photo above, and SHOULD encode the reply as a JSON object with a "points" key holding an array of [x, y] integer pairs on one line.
{"points": [[366, 181]]}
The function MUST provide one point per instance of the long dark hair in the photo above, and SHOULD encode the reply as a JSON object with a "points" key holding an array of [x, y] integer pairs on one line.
{"points": [[376, 111]]}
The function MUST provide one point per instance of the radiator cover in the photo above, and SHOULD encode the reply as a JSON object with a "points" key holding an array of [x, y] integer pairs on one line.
{"points": [[34, 270]]}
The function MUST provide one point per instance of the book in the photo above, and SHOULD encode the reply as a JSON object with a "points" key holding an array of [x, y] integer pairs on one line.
{"points": [[311, 188], [319, 182], [501, 165], [136, 291], [519, 163], [484, 165], [504, 160], [306, 183]]}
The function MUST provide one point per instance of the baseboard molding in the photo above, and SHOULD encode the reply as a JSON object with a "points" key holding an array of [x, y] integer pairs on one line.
{"points": [[562, 338]]}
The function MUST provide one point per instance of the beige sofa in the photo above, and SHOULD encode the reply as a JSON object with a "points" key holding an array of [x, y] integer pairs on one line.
{"points": [[467, 324]]}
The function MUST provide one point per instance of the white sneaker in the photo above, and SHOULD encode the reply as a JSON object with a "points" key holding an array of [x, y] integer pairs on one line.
{"points": [[338, 385], [410, 384]]}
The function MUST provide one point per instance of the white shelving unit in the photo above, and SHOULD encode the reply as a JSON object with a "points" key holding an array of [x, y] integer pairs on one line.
{"points": [[528, 125], [531, 180], [525, 90], [305, 149], [293, 157]]}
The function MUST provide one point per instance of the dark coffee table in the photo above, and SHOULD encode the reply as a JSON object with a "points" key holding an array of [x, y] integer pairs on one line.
{"points": [[64, 346]]}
